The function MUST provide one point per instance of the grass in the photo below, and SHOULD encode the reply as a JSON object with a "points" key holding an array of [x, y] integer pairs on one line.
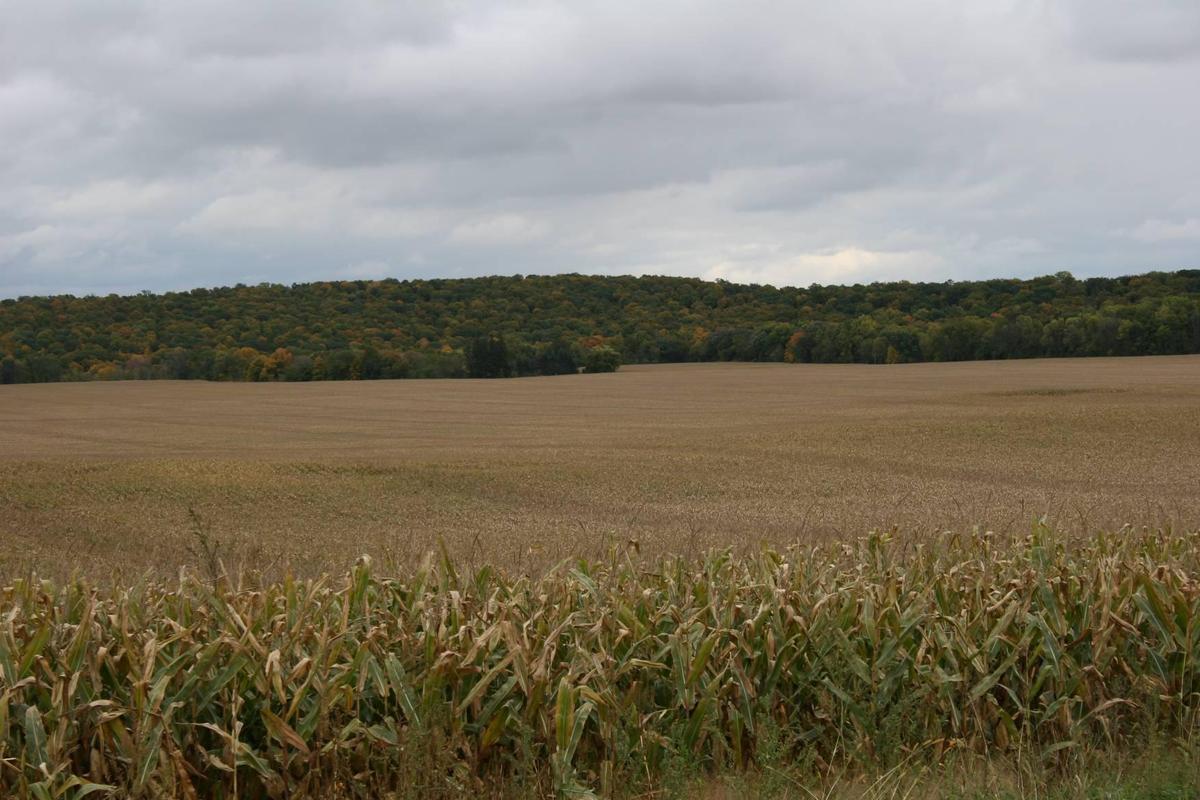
{"points": [[973, 665], [524, 473], [1147, 773]]}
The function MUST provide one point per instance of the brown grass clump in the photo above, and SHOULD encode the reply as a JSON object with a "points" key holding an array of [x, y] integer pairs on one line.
{"points": [[521, 473]]}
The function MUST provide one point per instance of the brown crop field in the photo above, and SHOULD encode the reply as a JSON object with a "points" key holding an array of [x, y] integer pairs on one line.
{"points": [[100, 477]]}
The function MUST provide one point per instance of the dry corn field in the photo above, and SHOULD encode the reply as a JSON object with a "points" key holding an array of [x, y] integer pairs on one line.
{"points": [[522, 473], [641, 585], [605, 678]]}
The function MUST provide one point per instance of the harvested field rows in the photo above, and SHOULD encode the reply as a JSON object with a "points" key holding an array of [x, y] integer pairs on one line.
{"points": [[521, 473]]}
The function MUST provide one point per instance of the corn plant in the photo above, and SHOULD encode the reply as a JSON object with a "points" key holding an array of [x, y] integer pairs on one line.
{"points": [[587, 680]]}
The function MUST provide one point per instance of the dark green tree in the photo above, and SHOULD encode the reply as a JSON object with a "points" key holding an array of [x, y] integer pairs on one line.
{"points": [[368, 365], [487, 357], [601, 359], [557, 358]]}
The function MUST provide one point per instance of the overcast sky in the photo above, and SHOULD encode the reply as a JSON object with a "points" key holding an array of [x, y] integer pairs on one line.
{"points": [[165, 145]]}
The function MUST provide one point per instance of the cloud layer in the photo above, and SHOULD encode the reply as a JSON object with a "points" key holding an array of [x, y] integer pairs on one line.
{"points": [[167, 145]]}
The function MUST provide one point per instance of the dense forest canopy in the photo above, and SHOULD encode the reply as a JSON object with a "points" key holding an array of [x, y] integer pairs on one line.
{"points": [[526, 325]]}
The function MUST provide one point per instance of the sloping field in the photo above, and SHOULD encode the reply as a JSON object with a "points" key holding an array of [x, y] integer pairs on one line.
{"points": [[100, 476]]}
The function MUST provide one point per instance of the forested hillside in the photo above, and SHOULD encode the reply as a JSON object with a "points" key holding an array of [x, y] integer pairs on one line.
{"points": [[524, 325]]}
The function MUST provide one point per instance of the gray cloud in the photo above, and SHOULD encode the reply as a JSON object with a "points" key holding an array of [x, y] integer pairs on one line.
{"points": [[1167, 30], [166, 145]]}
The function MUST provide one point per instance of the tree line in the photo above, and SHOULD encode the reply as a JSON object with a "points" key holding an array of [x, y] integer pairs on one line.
{"points": [[548, 325]]}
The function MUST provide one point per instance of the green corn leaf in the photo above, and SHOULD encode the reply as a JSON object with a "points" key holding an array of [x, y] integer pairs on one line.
{"points": [[35, 737]]}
